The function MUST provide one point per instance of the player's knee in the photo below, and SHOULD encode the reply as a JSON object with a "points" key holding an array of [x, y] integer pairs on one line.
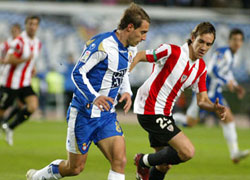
{"points": [[32, 107], [187, 153], [119, 163]]}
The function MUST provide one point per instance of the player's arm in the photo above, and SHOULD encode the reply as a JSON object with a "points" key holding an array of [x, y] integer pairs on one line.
{"points": [[204, 102], [14, 60], [140, 56], [126, 93], [158, 55], [81, 81]]}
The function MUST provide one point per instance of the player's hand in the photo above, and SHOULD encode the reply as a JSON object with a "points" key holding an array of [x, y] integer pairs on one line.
{"points": [[102, 102], [240, 92], [230, 86], [126, 96], [220, 110]]}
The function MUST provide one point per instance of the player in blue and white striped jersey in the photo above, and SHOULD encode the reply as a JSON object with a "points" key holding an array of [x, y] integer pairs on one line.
{"points": [[220, 75], [99, 76]]}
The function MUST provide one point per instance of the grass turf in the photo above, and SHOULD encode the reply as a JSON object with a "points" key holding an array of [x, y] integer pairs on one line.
{"points": [[36, 144]]}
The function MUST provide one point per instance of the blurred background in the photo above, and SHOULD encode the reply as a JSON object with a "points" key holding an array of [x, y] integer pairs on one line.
{"points": [[67, 25]]}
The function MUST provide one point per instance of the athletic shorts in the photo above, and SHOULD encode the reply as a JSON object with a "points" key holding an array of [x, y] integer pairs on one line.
{"points": [[83, 130], [160, 128], [8, 95]]}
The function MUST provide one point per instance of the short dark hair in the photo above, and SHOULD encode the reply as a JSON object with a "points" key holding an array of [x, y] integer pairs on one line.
{"points": [[16, 25], [32, 17], [134, 14], [202, 28], [236, 31]]}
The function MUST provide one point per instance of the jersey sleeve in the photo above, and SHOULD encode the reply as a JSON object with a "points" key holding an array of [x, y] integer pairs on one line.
{"points": [[200, 84], [16, 47], [79, 74], [159, 54]]}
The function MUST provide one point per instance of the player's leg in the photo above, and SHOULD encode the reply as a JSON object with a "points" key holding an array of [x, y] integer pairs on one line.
{"points": [[158, 172], [110, 141], [113, 149], [7, 98], [31, 104], [76, 147], [58, 169], [230, 134], [180, 149]]}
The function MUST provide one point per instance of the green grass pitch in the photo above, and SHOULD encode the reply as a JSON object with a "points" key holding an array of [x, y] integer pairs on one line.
{"points": [[38, 143]]}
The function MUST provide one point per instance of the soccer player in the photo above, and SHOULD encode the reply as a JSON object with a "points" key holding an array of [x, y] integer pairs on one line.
{"points": [[15, 31], [100, 74], [219, 75], [16, 76], [175, 69]]}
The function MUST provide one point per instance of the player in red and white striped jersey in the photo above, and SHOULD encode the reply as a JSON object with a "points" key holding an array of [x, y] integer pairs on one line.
{"points": [[15, 31], [175, 69], [4, 47], [16, 76]]}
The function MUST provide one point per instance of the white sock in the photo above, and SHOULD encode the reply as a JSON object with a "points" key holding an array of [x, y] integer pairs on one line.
{"points": [[230, 135], [49, 172], [180, 118], [115, 175]]}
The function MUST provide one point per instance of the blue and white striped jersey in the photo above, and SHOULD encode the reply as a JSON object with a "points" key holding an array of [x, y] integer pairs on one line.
{"points": [[101, 70], [220, 70]]}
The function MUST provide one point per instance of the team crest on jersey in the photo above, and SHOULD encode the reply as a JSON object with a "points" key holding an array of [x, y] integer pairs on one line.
{"points": [[170, 128], [84, 146], [92, 46], [85, 56], [183, 78]]}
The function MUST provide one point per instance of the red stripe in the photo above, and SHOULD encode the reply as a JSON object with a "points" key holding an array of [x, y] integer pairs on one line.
{"points": [[201, 68], [10, 77], [150, 57], [19, 47], [176, 89], [160, 79], [23, 73], [162, 54]]}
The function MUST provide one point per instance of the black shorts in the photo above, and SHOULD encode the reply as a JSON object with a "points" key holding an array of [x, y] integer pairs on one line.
{"points": [[8, 95], [160, 128], [25, 92]]}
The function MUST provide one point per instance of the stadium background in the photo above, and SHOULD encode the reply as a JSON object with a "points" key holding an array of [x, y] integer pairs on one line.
{"points": [[67, 25]]}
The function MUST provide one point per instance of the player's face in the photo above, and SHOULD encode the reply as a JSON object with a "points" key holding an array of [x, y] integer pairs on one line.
{"points": [[138, 35], [201, 44], [31, 27], [235, 42], [15, 31]]}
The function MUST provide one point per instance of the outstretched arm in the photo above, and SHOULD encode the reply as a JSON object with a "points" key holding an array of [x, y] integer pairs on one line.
{"points": [[204, 102], [140, 56]]}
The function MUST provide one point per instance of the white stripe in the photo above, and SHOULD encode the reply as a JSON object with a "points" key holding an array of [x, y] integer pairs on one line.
{"points": [[167, 87], [71, 138]]}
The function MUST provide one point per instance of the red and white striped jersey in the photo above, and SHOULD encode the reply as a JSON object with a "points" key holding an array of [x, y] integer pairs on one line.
{"points": [[18, 76], [173, 72], [4, 47]]}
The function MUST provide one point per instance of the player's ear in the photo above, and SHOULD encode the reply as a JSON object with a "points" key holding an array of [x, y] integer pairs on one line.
{"points": [[192, 38], [130, 27]]}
